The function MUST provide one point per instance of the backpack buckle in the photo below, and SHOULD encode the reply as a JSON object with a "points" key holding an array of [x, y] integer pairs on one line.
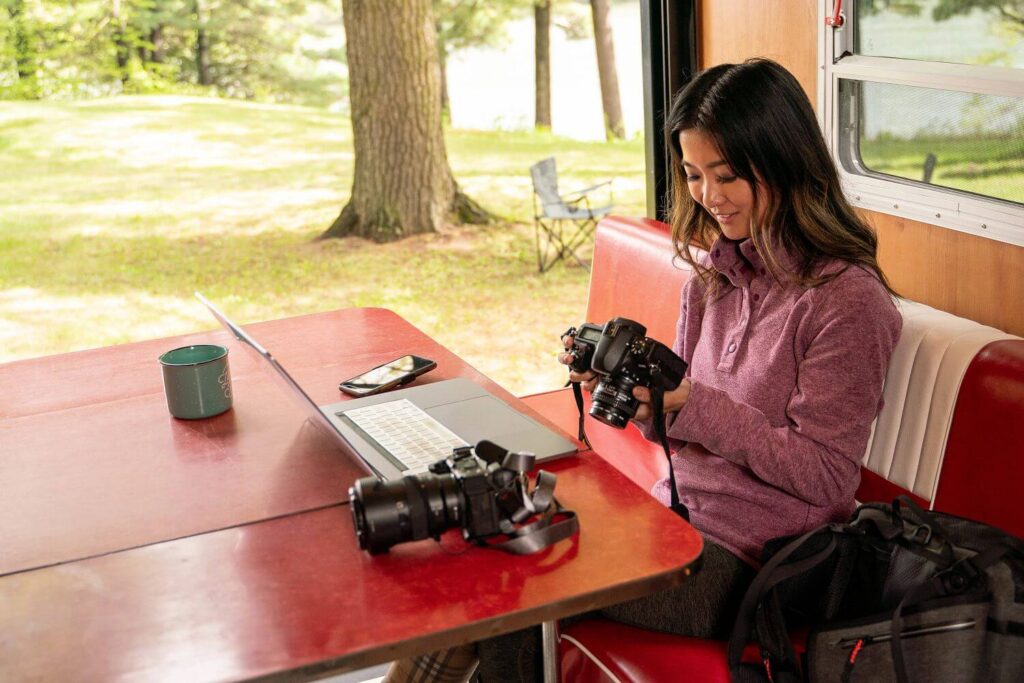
{"points": [[917, 536]]}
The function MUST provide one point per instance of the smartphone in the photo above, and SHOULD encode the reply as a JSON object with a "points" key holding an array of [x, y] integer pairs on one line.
{"points": [[387, 376]]}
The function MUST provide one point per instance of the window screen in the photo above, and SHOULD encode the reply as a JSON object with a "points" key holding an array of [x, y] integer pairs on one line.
{"points": [[924, 110], [961, 141]]}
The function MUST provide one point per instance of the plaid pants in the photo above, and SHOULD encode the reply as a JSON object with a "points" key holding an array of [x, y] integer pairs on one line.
{"points": [[454, 665]]}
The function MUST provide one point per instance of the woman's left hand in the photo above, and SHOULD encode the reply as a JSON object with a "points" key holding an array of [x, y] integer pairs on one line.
{"points": [[673, 400]]}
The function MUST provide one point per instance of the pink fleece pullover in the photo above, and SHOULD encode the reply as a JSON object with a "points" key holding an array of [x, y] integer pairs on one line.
{"points": [[786, 382]]}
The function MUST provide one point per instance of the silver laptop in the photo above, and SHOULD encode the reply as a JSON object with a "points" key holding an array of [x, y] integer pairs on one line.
{"points": [[401, 432]]}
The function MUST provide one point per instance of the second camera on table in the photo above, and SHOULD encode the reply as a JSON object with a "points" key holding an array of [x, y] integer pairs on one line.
{"points": [[621, 354]]}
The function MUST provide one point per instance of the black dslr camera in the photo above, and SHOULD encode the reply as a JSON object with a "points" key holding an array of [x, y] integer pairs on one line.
{"points": [[624, 358], [483, 492]]}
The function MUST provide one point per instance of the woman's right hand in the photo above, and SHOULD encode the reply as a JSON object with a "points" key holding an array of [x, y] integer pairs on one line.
{"points": [[588, 379]]}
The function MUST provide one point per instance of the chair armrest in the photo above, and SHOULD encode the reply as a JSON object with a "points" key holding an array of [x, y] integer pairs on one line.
{"points": [[586, 190]]}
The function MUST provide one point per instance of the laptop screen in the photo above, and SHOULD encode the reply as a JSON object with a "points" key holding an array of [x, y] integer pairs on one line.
{"points": [[307, 404]]}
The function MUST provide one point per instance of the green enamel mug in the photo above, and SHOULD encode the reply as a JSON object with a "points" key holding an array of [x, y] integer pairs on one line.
{"points": [[197, 381]]}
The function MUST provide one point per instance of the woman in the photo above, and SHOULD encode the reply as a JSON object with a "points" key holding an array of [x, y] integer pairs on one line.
{"points": [[787, 326]]}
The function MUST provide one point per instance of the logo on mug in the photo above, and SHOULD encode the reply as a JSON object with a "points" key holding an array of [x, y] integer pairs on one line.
{"points": [[225, 383]]}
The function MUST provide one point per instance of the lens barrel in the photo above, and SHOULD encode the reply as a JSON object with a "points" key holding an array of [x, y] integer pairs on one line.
{"points": [[412, 508], [613, 402]]}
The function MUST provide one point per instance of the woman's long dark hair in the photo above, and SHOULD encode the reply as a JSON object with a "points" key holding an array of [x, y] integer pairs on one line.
{"points": [[763, 124]]}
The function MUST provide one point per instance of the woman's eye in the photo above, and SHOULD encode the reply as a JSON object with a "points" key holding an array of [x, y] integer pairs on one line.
{"points": [[726, 178], [692, 178]]}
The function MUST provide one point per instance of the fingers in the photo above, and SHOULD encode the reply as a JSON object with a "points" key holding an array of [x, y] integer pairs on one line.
{"points": [[672, 400], [643, 411], [588, 379], [583, 377]]}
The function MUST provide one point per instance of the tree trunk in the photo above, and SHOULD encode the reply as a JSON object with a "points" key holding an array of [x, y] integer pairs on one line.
{"points": [[601, 9], [24, 51], [122, 51], [156, 37], [202, 47], [542, 63], [402, 184]]}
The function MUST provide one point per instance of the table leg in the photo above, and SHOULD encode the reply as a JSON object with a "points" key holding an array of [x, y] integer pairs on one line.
{"points": [[549, 648]]}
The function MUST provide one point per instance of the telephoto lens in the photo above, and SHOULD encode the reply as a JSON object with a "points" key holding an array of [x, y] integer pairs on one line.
{"points": [[484, 490], [412, 508]]}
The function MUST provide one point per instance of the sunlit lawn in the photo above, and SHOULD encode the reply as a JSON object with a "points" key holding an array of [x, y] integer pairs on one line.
{"points": [[986, 167], [112, 212]]}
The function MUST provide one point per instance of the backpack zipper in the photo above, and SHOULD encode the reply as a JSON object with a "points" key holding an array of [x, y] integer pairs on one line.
{"points": [[926, 630]]}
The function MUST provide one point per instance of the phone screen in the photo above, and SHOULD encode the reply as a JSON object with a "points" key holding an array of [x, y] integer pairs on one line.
{"points": [[387, 375]]}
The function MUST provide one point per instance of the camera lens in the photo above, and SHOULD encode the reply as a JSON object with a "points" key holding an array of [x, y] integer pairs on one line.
{"points": [[408, 509], [613, 401]]}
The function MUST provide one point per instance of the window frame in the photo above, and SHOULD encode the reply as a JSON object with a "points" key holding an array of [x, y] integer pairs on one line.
{"points": [[668, 34], [959, 210]]}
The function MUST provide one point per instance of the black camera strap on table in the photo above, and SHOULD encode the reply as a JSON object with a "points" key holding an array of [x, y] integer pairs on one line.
{"points": [[544, 531]]}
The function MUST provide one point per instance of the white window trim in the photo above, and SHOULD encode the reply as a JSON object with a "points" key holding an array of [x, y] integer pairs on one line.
{"points": [[944, 207]]}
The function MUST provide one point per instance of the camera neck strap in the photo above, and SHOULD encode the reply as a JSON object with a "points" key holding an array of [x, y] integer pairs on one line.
{"points": [[553, 523], [658, 406], [577, 393]]}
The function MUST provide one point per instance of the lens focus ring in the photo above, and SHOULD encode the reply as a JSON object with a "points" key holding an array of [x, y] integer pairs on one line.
{"points": [[613, 402]]}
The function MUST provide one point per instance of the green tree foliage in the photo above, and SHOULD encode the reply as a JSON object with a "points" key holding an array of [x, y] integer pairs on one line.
{"points": [[235, 48], [471, 23], [474, 23], [1009, 12]]}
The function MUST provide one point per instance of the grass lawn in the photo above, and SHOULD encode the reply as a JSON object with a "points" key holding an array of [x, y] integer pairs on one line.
{"points": [[989, 167], [113, 211]]}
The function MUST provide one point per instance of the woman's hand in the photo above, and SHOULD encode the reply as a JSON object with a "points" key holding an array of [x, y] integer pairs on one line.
{"points": [[673, 400], [588, 379]]}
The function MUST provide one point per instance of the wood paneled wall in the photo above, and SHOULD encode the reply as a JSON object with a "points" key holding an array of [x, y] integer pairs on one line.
{"points": [[970, 276], [735, 30]]}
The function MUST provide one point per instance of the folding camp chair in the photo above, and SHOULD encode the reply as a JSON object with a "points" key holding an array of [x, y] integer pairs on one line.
{"points": [[562, 224]]}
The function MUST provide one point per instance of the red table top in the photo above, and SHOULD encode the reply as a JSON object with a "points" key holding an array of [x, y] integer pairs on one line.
{"points": [[263, 575], [86, 442], [296, 593]]}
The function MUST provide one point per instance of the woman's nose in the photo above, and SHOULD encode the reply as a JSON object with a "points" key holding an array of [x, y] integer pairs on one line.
{"points": [[712, 197]]}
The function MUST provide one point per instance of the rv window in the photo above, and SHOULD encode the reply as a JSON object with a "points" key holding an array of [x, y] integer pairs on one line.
{"points": [[923, 105]]}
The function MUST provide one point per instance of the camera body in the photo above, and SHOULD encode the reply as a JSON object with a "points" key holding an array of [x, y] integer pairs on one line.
{"points": [[465, 489], [482, 486], [624, 357]]}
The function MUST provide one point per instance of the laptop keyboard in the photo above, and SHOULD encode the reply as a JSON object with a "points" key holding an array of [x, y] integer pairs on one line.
{"points": [[405, 431]]}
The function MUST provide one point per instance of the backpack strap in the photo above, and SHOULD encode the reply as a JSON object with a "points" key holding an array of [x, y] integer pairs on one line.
{"points": [[905, 523], [920, 528], [771, 574]]}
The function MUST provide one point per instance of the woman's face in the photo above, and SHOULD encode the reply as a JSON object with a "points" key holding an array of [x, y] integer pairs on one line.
{"points": [[713, 185]]}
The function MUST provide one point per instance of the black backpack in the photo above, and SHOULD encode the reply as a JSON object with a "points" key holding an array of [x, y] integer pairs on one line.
{"points": [[894, 594]]}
